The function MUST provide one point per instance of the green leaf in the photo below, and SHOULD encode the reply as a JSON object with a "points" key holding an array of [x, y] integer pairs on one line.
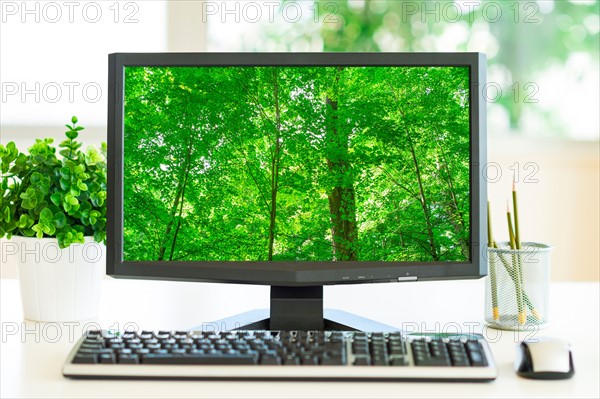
{"points": [[72, 134], [93, 187], [64, 184], [23, 221], [30, 193], [46, 215], [29, 203], [65, 172], [40, 206], [28, 232], [60, 220], [55, 198], [36, 177], [39, 230]]}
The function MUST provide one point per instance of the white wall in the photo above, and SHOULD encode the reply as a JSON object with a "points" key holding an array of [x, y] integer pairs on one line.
{"points": [[560, 208]]}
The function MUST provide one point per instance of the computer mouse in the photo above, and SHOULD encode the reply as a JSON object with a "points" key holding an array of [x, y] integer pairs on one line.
{"points": [[544, 359]]}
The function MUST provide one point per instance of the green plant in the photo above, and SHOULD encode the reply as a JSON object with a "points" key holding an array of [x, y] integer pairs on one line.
{"points": [[47, 196]]}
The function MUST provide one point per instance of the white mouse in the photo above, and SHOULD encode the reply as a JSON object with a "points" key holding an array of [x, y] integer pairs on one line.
{"points": [[544, 359]]}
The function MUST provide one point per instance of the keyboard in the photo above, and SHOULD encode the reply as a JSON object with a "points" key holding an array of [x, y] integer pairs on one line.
{"points": [[314, 355]]}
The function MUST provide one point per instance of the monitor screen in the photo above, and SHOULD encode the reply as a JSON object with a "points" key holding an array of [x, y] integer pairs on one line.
{"points": [[277, 163], [313, 162]]}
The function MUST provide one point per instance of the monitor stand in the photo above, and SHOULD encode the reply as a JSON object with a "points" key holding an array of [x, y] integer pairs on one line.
{"points": [[297, 308]]}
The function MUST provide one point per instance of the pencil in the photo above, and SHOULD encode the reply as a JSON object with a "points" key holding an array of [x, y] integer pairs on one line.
{"points": [[522, 315], [518, 244], [492, 259], [516, 215], [526, 299]]}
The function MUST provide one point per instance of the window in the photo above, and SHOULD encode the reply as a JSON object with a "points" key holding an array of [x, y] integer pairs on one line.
{"points": [[543, 65], [54, 56]]}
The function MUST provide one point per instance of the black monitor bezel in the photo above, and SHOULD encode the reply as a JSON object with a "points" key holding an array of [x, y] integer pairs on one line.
{"points": [[296, 273]]}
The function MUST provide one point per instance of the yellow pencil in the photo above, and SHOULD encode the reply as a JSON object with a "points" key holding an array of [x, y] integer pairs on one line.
{"points": [[522, 315], [516, 215], [492, 262], [518, 243]]}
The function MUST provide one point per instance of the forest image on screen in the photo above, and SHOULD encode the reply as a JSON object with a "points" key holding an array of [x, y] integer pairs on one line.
{"points": [[296, 163]]}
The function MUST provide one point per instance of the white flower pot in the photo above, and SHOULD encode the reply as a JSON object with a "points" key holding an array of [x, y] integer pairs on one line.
{"points": [[60, 285]]}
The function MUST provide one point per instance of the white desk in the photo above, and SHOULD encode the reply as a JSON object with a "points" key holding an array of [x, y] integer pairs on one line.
{"points": [[31, 364]]}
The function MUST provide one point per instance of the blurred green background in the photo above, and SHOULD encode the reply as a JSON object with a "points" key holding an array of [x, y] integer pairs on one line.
{"points": [[542, 55]]}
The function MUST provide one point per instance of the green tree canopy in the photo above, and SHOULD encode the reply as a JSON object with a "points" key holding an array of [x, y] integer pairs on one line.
{"points": [[296, 163]]}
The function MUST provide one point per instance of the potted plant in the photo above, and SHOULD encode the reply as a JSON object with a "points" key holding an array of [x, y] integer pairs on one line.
{"points": [[53, 207]]}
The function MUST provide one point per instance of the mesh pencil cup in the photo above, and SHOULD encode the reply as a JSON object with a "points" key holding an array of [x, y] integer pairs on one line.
{"points": [[517, 285]]}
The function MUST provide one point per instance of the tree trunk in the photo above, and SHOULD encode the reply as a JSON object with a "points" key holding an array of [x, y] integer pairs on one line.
{"points": [[423, 198], [178, 198], [275, 160], [174, 241], [455, 214], [342, 203]]}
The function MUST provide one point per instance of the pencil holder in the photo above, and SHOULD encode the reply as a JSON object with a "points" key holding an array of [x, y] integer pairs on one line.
{"points": [[517, 286]]}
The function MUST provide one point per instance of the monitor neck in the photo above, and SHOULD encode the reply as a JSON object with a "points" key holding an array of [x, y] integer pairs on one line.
{"points": [[297, 308]]}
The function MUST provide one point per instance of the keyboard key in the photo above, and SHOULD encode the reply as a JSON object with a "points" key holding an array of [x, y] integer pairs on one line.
{"points": [[398, 361], [180, 334], [309, 359], [129, 335], [94, 351], [290, 360], [460, 362], [379, 360], [85, 358], [362, 361], [360, 350], [332, 360], [94, 346], [106, 358], [191, 358], [432, 361], [270, 360], [128, 359], [109, 334], [396, 349], [476, 358]]}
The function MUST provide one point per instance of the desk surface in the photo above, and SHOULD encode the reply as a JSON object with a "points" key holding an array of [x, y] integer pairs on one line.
{"points": [[31, 354]]}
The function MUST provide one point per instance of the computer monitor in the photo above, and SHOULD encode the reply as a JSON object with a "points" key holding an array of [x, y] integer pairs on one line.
{"points": [[296, 170]]}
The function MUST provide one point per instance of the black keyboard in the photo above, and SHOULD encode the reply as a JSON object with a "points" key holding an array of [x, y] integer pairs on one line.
{"points": [[264, 355]]}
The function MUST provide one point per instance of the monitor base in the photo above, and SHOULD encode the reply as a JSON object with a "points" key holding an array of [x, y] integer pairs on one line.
{"points": [[334, 319]]}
